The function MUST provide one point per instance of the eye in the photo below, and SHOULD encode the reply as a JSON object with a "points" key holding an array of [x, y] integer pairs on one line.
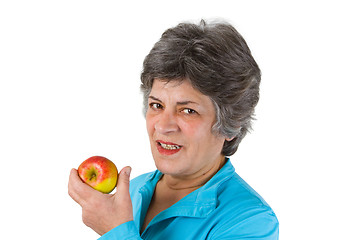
{"points": [[155, 106], [189, 111]]}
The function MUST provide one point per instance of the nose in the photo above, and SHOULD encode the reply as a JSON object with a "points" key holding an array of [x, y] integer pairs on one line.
{"points": [[166, 123]]}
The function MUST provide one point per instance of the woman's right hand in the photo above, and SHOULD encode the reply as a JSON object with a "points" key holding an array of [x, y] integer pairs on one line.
{"points": [[102, 212]]}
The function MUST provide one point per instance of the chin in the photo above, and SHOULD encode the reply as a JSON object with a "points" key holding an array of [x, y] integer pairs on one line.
{"points": [[174, 164], [168, 166]]}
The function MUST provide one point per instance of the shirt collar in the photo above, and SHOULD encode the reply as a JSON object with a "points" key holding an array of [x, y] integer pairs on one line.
{"points": [[199, 203], [209, 192]]}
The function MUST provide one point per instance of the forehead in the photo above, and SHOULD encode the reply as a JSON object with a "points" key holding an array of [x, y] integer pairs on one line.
{"points": [[177, 89]]}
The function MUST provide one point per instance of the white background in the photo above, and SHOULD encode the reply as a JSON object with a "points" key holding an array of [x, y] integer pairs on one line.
{"points": [[69, 89]]}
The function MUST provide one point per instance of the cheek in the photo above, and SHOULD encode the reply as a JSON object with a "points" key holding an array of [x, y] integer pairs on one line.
{"points": [[202, 136], [195, 130], [149, 123]]}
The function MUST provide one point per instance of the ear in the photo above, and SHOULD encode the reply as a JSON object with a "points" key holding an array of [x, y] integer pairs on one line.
{"points": [[229, 139]]}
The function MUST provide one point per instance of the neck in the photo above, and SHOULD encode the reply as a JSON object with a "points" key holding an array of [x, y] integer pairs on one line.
{"points": [[193, 181]]}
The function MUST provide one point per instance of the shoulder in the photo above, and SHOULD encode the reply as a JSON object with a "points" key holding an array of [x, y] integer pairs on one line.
{"points": [[246, 213], [240, 192]]}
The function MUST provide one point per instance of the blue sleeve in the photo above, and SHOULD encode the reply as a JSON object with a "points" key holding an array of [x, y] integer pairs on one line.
{"points": [[126, 230], [260, 224]]}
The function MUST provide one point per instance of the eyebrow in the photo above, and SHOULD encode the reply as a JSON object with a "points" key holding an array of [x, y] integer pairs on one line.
{"points": [[177, 103]]}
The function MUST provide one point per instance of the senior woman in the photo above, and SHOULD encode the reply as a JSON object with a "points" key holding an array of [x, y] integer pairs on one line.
{"points": [[200, 85]]}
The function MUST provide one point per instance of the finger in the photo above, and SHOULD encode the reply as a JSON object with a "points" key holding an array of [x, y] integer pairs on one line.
{"points": [[78, 190], [73, 185], [124, 180]]}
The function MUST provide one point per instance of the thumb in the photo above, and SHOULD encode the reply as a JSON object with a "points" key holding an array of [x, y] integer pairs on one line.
{"points": [[122, 196], [123, 180]]}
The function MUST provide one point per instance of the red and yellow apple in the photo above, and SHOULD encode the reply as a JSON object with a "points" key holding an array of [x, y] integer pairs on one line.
{"points": [[100, 173]]}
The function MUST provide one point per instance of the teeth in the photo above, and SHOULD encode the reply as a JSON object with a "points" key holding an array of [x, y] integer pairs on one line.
{"points": [[169, 147]]}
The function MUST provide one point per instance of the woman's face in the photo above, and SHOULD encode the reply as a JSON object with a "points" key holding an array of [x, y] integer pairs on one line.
{"points": [[179, 121]]}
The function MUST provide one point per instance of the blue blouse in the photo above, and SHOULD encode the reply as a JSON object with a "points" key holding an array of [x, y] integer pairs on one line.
{"points": [[226, 207]]}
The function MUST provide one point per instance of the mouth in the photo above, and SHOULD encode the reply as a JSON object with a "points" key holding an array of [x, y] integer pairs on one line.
{"points": [[168, 148]]}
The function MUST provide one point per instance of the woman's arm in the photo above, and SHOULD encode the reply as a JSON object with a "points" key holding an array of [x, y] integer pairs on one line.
{"points": [[126, 230]]}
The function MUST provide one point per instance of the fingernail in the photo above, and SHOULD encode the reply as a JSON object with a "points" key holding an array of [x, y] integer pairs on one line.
{"points": [[127, 171]]}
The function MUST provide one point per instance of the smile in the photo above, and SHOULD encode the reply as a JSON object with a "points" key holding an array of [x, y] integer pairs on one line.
{"points": [[168, 146]]}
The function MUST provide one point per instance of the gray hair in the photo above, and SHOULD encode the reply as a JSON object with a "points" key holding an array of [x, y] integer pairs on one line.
{"points": [[217, 61]]}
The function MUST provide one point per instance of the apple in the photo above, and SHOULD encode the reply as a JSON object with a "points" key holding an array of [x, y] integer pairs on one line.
{"points": [[100, 173]]}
